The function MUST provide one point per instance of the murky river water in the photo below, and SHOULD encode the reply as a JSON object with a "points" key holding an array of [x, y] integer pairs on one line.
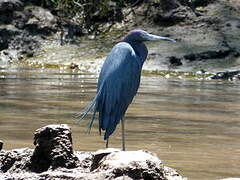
{"points": [[193, 126]]}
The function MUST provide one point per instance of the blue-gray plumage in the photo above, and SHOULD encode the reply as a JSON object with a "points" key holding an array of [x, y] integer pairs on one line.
{"points": [[119, 81]]}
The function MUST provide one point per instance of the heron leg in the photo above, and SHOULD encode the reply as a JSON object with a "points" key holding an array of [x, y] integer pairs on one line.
{"points": [[107, 142], [123, 134]]}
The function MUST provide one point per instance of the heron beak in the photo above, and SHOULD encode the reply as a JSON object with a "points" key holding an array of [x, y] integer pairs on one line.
{"points": [[151, 37]]}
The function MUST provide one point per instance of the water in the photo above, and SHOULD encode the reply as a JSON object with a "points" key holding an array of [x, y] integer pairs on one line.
{"points": [[192, 125]]}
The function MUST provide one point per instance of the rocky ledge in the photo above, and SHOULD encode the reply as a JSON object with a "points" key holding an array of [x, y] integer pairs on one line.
{"points": [[25, 27], [54, 158]]}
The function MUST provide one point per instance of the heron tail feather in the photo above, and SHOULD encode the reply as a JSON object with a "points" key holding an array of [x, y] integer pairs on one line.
{"points": [[92, 119], [91, 107], [80, 116]]}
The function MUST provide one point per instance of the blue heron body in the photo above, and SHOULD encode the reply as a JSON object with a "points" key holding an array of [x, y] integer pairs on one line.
{"points": [[119, 81]]}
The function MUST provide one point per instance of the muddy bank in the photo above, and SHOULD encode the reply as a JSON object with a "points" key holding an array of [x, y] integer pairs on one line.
{"points": [[23, 28], [26, 27], [207, 32], [53, 157]]}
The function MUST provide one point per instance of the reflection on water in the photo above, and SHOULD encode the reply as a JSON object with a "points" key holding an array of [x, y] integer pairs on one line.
{"points": [[193, 126]]}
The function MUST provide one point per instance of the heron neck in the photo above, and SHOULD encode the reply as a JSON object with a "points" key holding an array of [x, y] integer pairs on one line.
{"points": [[140, 49]]}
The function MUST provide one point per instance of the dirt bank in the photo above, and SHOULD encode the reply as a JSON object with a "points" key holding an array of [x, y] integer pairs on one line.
{"points": [[208, 32]]}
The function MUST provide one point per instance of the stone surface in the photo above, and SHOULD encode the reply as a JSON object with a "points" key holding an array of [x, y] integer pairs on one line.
{"points": [[53, 148], [54, 158], [133, 164], [99, 155], [229, 75], [205, 32], [24, 27], [10, 5], [115, 164], [15, 161]]}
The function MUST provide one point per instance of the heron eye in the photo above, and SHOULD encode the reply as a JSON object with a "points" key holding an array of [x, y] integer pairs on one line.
{"points": [[143, 36]]}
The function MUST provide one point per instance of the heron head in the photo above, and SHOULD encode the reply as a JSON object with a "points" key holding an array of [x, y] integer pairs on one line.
{"points": [[139, 35]]}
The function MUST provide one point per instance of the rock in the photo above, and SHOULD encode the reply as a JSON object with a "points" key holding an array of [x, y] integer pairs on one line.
{"points": [[16, 160], [175, 61], [8, 55], [74, 66], [10, 5], [172, 17], [6, 32], [23, 27], [54, 158], [218, 54], [99, 155], [113, 166], [53, 148], [229, 75], [40, 21], [201, 2], [138, 165], [169, 12]]}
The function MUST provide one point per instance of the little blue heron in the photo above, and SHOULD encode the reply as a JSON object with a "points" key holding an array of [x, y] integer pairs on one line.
{"points": [[119, 81]]}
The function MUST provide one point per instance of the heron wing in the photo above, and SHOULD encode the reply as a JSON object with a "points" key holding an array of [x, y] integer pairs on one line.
{"points": [[118, 84]]}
